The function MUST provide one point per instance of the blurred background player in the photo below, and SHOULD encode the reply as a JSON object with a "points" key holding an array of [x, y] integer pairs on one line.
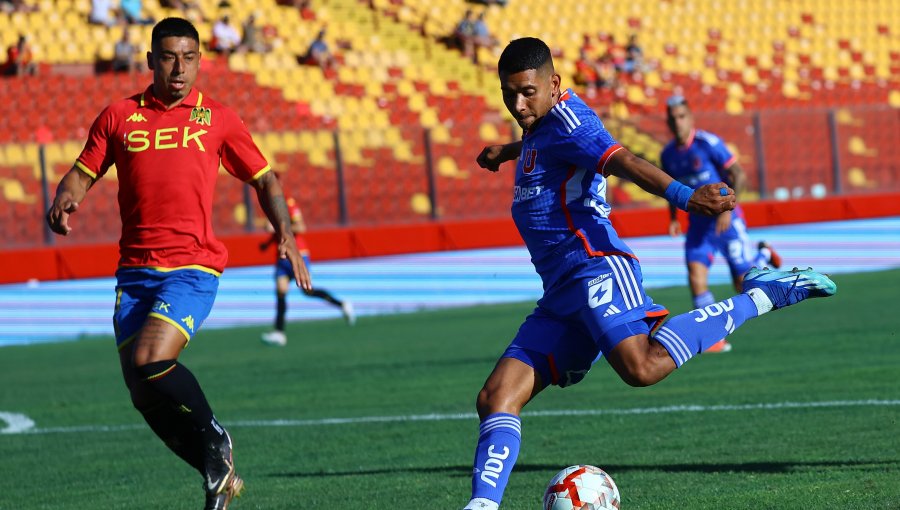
{"points": [[594, 303], [284, 275], [167, 144], [694, 158]]}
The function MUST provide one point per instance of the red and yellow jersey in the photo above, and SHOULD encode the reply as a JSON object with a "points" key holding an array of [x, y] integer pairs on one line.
{"points": [[297, 217], [167, 163]]}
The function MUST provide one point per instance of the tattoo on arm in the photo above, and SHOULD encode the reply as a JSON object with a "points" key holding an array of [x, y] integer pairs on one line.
{"points": [[270, 197]]}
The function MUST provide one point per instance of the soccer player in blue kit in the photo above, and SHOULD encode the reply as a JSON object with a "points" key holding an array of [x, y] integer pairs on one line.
{"points": [[694, 158], [593, 302]]}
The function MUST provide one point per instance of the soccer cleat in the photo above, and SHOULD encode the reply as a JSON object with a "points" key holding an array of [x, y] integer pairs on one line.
{"points": [[220, 501], [347, 310], [481, 504], [774, 259], [275, 337], [771, 290], [218, 467], [720, 346]]}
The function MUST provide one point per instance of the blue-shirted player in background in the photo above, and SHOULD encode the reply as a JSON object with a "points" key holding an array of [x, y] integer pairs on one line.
{"points": [[593, 303], [695, 158]]}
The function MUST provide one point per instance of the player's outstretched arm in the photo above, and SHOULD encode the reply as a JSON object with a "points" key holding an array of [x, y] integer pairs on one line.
{"points": [[711, 199], [71, 191], [271, 199], [493, 155]]}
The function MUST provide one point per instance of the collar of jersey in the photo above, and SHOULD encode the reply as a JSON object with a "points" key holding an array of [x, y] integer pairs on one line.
{"points": [[690, 141], [148, 100]]}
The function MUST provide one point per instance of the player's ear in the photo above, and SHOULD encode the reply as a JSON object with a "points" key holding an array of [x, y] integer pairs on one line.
{"points": [[150, 60]]}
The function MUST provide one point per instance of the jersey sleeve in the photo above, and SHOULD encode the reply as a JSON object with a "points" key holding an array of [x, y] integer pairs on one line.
{"points": [[240, 155], [718, 152], [583, 142], [97, 155]]}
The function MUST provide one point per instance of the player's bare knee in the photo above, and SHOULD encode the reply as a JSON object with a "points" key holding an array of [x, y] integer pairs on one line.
{"points": [[483, 402], [492, 400], [640, 375]]}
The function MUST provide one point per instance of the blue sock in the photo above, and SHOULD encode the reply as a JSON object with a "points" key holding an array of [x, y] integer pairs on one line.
{"points": [[500, 435], [692, 333], [762, 258], [704, 299]]}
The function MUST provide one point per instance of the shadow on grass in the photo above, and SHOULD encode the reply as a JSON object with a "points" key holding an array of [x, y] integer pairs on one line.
{"points": [[746, 467]]}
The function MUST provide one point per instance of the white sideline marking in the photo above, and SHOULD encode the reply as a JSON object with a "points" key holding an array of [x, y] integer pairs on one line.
{"points": [[15, 423], [30, 429]]}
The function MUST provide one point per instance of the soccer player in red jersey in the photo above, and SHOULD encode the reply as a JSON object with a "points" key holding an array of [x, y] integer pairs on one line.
{"points": [[167, 143], [283, 275]]}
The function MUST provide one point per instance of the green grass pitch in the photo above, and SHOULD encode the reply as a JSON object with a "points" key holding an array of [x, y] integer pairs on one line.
{"points": [[96, 453]]}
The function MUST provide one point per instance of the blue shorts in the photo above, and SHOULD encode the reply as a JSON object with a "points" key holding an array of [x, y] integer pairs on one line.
{"points": [[600, 304], [182, 297], [702, 244], [283, 267]]}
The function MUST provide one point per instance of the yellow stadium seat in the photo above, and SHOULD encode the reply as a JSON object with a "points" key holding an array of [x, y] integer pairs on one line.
{"points": [[13, 191], [488, 132], [857, 146], [420, 204]]}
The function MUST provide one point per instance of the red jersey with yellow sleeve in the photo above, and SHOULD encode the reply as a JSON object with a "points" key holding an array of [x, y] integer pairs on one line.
{"points": [[167, 163]]}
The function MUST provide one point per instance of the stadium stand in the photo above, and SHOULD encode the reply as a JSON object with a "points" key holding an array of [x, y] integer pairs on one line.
{"points": [[789, 78]]}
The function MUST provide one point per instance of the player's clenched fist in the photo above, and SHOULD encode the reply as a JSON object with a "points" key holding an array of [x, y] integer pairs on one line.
{"points": [[712, 199], [489, 158], [493, 155]]}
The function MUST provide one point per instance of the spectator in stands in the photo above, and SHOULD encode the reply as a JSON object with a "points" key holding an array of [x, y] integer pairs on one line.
{"points": [[306, 11], [634, 56], [481, 36], [586, 73], [133, 11], [616, 52], [100, 13], [319, 53], [225, 37], [124, 54], [254, 38], [463, 34], [19, 59], [11, 6], [190, 10], [607, 74]]}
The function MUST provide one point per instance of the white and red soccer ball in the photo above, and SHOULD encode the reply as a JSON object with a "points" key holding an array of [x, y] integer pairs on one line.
{"points": [[581, 488]]}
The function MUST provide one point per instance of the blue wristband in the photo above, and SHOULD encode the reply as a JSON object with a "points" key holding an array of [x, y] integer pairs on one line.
{"points": [[679, 194]]}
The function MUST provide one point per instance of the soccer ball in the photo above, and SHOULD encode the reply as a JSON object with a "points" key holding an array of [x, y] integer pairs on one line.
{"points": [[581, 488]]}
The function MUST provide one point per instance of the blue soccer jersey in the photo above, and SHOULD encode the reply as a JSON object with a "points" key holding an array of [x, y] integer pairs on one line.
{"points": [[559, 200], [700, 161]]}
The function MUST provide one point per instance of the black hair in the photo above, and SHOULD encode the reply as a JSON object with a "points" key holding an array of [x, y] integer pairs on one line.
{"points": [[524, 54], [173, 27]]}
